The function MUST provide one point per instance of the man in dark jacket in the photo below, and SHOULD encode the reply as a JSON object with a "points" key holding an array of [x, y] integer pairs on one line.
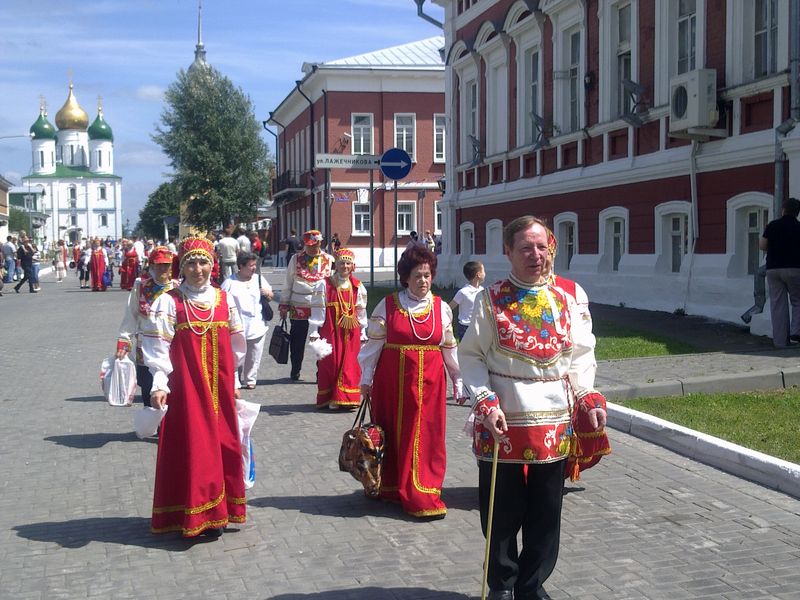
{"points": [[25, 258], [781, 240]]}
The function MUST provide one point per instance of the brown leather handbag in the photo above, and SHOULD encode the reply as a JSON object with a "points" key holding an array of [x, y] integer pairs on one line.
{"points": [[361, 453]]}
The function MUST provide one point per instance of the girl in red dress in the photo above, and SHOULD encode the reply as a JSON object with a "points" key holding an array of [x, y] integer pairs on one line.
{"points": [[193, 345], [129, 269], [97, 266], [403, 364], [338, 316]]}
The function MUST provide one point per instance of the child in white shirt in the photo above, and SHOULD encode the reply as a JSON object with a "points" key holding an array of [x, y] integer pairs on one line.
{"points": [[465, 297]]}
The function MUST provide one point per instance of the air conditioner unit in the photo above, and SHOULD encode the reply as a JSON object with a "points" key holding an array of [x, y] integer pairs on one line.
{"points": [[693, 100]]}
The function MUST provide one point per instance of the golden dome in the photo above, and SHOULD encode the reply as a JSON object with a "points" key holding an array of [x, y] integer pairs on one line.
{"points": [[71, 115]]}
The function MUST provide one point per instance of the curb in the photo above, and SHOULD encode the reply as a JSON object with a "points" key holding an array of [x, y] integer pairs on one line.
{"points": [[761, 468]]}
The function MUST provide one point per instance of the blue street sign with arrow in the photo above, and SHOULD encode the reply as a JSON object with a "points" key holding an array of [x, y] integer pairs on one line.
{"points": [[395, 163]]}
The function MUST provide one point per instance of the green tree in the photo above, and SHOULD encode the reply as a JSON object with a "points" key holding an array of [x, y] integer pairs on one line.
{"points": [[213, 139], [164, 202], [18, 221]]}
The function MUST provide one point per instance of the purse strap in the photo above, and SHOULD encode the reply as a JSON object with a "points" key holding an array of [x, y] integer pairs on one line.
{"points": [[361, 413]]}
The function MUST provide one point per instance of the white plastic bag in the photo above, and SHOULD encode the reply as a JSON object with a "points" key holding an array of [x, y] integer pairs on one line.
{"points": [[247, 413], [118, 380], [146, 421], [320, 348]]}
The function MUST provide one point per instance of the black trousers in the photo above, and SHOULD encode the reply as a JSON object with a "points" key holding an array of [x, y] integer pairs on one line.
{"points": [[28, 276], [297, 347], [533, 504], [145, 381]]}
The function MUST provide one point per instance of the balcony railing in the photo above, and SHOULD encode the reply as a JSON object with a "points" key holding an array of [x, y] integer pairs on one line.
{"points": [[290, 181]]}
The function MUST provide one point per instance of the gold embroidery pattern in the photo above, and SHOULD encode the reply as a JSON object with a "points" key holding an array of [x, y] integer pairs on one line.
{"points": [[215, 370], [194, 530], [429, 512], [401, 378], [157, 510], [413, 348], [404, 312], [417, 432], [212, 325]]}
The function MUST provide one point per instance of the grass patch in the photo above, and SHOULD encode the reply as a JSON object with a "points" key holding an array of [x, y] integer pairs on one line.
{"points": [[617, 341], [762, 421]]}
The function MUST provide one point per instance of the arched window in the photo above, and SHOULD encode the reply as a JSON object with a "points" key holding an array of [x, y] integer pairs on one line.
{"points": [[747, 216], [565, 228], [467, 245], [673, 235], [613, 223], [494, 238]]}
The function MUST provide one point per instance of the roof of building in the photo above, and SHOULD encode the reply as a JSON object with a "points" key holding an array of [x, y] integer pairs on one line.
{"points": [[64, 172], [71, 115], [42, 129], [415, 55], [100, 130]]}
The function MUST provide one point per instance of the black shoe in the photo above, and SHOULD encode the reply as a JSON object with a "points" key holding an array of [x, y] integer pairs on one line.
{"points": [[213, 533], [500, 595], [794, 338], [294, 377], [16, 289]]}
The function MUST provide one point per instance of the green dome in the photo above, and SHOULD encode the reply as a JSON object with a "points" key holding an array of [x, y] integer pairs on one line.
{"points": [[100, 130], [42, 129]]}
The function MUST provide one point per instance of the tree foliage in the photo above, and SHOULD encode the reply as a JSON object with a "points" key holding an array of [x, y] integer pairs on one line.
{"points": [[164, 202], [211, 135], [18, 220]]}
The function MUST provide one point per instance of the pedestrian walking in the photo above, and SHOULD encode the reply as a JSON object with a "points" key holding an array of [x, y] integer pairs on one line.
{"points": [[305, 270], [97, 266], [410, 346], [10, 259], [339, 316], [60, 261], [25, 261], [245, 290], [781, 240], [528, 360], [193, 345]]}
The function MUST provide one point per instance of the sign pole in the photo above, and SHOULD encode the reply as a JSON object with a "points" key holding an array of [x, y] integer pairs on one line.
{"points": [[371, 233], [395, 234]]}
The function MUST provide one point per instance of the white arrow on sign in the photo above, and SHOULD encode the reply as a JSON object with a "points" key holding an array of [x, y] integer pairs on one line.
{"points": [[402, 164]]}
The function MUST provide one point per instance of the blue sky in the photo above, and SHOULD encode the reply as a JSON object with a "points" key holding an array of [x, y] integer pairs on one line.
{"points": [[128, 52]]}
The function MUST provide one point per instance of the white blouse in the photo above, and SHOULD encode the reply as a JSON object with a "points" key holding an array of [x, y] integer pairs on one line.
{"points": [[376, 338], [247, 297], [319, 302], [157, 334]]}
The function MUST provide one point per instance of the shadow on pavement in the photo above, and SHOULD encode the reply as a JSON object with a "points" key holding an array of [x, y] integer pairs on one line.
{"points": [[85, 441], [284, 410], [126, 531], [372, 593], [460, 498], [86, 399], [355, 505]]}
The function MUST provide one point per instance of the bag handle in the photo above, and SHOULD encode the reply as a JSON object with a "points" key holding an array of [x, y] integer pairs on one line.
{"points": [[361, 413]]}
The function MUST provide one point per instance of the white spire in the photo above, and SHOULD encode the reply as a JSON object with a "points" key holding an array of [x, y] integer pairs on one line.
{"points": [[199, 50]]}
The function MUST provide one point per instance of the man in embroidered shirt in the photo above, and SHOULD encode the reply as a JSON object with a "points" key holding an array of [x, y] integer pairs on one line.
{"points": [[303, 272], [527, 355]]}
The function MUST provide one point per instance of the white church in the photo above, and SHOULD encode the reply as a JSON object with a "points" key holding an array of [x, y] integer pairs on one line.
{"points": [[72, 175]]}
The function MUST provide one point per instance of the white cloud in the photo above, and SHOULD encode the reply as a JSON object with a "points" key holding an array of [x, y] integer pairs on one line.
{"points": [[150, 93]]}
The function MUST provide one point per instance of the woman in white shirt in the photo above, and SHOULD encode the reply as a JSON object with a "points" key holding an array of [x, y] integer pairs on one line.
{"points": [[245, 289]]}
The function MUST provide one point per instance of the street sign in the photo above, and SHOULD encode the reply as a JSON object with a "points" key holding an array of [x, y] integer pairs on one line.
{"points": [[395, 163], [347, 161]]}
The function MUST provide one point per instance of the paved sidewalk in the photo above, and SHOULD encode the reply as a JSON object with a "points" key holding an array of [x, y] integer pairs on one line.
{"points": [[77, 489]]}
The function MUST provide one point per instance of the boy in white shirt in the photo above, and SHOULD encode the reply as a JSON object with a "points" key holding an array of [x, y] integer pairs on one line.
{"points": [[465, 297]]}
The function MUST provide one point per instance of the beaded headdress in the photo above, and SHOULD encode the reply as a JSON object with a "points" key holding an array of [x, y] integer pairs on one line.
{"points": [[196, 246]]}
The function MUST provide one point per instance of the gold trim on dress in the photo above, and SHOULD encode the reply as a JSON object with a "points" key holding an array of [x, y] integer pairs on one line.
{"points": [[157, 510]]}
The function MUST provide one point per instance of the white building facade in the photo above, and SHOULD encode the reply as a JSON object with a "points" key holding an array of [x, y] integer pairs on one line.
{"points": [[72, 167]]}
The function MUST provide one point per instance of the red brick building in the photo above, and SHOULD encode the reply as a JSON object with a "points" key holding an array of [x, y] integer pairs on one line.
{"points": [[646, 132], [363, 105]]}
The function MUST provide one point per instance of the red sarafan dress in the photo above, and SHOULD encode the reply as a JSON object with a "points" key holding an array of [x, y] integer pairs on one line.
{"points": [[339, 373], [199, 482], [129, 269], [408, 400], [97, 267]]}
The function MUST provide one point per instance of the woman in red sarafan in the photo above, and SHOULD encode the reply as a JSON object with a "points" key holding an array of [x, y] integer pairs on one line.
{"points": [[410, 344], [338, 316], [193, 344], [97, 266], [129, 269]]}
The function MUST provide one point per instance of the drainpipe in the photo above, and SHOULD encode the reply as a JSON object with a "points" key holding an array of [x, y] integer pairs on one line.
{"points": [[425, 17], [271, 119], [327, 191], [695, 219], [794, 59], [313, 220]]}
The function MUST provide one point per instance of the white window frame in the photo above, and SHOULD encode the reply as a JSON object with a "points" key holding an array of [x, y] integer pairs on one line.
{"points": [[690, 33], [369, 150], [402, 144], [496, 106], [611, 94], [527, 37], [494, 237], [560, 224], [100, 218], [412, 220], [466, 238], [771, 35], [361, 206], [666, 63], [466, 69], [102, 192], [737, 209], [437, 217], [606, 238], [663, 214], [440, 132]]}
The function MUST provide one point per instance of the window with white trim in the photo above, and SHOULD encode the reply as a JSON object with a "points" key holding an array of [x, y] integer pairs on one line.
{"points": [[765, 38], [41, 158], [573, 66], [439, 137], [613, 237], [406, 217], [437, 216], [102, 220], [527, 38], [405, 125], [624, 28], [494, 237], [757, 219], [361, 218], [361, 131], [467, 238], [617, 227], [73, 196], [532, 93], [496, 109], [101, 192], [678, 240], [565, 228], [73, 220], [687, 35]]}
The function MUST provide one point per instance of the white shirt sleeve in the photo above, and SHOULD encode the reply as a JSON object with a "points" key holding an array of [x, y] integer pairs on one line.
{"points": [[130, 319], [157, 336], [475, 347], [317, 318], [449, 350], [286, 292], [376, 338], [584, 366]]}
